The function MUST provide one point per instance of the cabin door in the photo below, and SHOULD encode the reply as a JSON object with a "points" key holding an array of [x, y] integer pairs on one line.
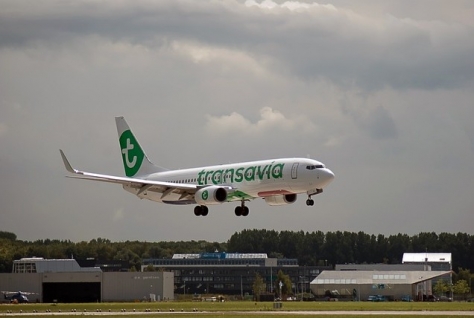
{"points": [[294, 171]]}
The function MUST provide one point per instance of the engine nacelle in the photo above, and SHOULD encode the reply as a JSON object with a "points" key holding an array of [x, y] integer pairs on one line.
{"points": [[278, 200], [210, 195]]}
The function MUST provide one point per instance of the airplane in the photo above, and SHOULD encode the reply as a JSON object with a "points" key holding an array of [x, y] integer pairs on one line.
{"points": [[277, 181], [19, 296]]}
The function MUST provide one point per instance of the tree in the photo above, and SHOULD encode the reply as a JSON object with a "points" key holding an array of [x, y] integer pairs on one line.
{"points": [[441, 287], [461, 288], [286, 281], [258, 286], [462, 274], [128, 255], [7, 235], [149, 267]]}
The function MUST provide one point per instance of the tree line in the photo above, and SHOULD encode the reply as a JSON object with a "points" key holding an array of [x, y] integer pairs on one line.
{"points": [[318, 248], [310, 248]]}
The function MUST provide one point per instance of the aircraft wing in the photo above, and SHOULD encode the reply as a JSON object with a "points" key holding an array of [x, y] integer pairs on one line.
{"points": [[141, 184]]}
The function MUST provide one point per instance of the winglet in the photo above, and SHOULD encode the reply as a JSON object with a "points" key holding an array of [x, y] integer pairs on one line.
{"points": [[67, 164]]}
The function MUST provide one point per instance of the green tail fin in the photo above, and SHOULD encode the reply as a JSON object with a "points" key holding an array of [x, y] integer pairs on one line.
{"points": [[135, 161]]}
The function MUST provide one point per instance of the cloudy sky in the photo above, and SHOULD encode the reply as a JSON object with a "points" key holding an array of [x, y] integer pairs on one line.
{"points": [[381, 92]]}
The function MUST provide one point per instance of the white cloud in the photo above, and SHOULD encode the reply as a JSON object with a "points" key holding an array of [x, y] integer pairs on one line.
{"points": [[228, 60], [270, 121], [290, 5]]}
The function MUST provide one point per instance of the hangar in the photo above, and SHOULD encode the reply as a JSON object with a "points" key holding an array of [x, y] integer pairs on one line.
{"points": [[63, 280], [360, 284]]}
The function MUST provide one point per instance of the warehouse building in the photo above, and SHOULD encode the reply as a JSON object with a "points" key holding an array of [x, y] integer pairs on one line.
{"points": [[360, 284], [63, 280]]}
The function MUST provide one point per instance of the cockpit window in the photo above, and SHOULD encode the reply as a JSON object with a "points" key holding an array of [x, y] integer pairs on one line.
{"points": [[311, 167]]}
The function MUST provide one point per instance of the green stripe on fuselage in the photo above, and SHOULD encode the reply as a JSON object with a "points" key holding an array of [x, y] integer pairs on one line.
{"points": [[237, 195]]}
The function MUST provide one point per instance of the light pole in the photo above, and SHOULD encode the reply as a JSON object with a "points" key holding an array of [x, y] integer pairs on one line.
{"points": [[271, 279], [184, 290], [280, 284]]}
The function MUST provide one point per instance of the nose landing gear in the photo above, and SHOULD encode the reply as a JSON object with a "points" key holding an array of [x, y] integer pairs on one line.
{"points": [[317, 191]]}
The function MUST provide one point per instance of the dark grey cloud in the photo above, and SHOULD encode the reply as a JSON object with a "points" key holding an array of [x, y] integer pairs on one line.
{"points": [[321, 42]]}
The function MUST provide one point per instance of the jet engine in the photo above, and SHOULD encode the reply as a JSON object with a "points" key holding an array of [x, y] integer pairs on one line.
{"points": [[278, 200], [210, 195]]}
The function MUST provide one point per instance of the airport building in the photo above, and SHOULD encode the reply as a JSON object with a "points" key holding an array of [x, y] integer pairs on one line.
{"points": [[393, 281], [66, 280], [431, 261], [232, 273], [63, 280], [388, 284]]}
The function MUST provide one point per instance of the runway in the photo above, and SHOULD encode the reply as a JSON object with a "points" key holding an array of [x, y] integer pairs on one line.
{"points": [[424, 313]]}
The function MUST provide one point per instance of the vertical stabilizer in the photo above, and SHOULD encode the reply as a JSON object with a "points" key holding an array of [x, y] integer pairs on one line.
{"points": [[135, 161]]}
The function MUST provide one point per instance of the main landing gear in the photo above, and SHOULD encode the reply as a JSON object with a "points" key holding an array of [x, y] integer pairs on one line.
{"points": [[201, 210], [241, 210]]}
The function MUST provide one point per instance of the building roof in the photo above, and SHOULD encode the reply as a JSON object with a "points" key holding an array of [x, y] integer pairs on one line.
{"points": [[383, 267], [426, 257], [222, 255], [376, 277], [41, 265]]}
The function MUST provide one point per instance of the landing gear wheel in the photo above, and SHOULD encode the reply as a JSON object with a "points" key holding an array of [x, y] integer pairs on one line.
{"points": [[241, 210], [198, 210], [238, 211], [309, 202], [201, 210]]}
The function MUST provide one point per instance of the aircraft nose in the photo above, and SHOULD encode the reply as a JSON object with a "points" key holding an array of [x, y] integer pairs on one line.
{"points": [[328, 175], [331, 174]]}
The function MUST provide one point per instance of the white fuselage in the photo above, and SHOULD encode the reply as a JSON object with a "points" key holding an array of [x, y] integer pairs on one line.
{"points": [[249, 179]]}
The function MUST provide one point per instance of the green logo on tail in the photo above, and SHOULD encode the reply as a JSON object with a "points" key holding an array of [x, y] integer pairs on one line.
{"points": [[132, 154]]}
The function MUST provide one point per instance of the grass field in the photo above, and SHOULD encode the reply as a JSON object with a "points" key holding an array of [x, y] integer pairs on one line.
{"points": [[238, 309]]}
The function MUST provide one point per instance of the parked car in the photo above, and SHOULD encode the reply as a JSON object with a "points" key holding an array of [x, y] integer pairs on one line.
{"points": [[376, 298], [406, 298], [444, 298]]}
